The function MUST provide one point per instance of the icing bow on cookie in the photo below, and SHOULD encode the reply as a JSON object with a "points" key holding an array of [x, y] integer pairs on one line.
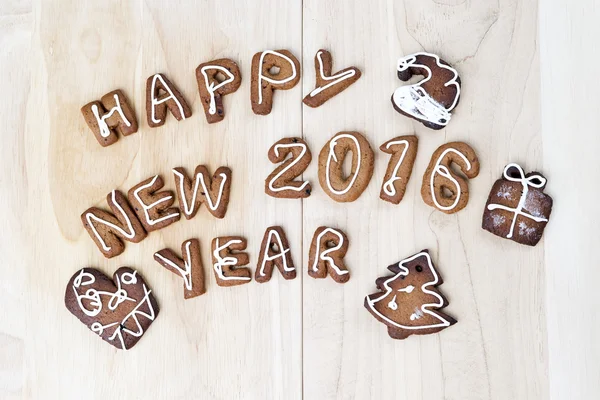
{"points": [[534, 179]]}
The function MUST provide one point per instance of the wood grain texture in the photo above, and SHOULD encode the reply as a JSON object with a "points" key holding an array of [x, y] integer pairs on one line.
{"points": [[526, 329]]}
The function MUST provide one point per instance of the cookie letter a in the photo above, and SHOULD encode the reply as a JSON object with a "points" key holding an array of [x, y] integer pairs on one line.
{"points": [[274, 252], [160, 95], [271, 69]]}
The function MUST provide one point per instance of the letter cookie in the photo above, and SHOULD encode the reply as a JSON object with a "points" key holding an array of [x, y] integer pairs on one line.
{"points": [[442, 188], [327, 251], [152, 208], [331, 160], [271, 70], [212, 191], [517, 208], [216, 79], [409, 302], [329, 85], [274, 252], [226, 263], [403, 150], [160, 94], [120, 310], [107, 230], [189, 268], [280, 182], [109, 116], [431, 100]]}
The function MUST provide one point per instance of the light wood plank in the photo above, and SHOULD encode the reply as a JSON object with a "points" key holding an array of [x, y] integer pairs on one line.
{"points": [[495, 287]]}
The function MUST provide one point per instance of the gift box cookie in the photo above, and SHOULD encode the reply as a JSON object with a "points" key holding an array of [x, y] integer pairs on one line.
{"points": [[517, 207]]}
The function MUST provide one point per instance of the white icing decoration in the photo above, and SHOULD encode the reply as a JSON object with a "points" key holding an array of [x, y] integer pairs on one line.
{"points": [[147, 207], [335, 79], [281, 253], [155, 102], [444, 171], [261, 77], [424, 308], [189, 208], [283, 171], [127, 234], [392, 304], [116, 298], [525, 182], [332, 155], [212, 88], [227, 261], [102, 125], [185, 273], [323, 255], [414, 100], [388, 186]]}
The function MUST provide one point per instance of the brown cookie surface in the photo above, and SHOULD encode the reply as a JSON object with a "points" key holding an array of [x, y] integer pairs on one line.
{"points": [[119, 310], [517, 207], [443, 188], [189, 267], [160, 95], [108, 230], [327, 251], [271, 70], [274, 252], [216, 79], [408, 302], [328, 84], [280, 183], [331, 160], [109, 116], [152, 207], [431, 100], [403, 151], [214, 191], [228, 258]]}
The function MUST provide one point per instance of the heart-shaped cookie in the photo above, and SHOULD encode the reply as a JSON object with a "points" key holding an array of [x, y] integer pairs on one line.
{"points": [[119, 310]]}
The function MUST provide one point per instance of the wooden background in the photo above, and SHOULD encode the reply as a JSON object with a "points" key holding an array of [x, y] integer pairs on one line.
{"points": [[528, 326]]}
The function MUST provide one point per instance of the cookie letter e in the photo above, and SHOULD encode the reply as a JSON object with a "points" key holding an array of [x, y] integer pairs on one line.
{"points": [[271, 70]]}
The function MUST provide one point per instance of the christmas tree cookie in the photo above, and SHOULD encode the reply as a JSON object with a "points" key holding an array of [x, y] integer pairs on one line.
{"points": [[409, 302]]}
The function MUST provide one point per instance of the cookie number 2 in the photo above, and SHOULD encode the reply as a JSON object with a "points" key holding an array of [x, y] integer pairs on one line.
{"points": [[280, 183]]}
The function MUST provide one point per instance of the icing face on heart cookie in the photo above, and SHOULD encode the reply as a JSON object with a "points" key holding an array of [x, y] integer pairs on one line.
{"points": [[118, 310], [431, 100]]}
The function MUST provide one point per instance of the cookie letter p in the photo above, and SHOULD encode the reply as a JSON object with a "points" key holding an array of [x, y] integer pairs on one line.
{"points": [[271, 69]]}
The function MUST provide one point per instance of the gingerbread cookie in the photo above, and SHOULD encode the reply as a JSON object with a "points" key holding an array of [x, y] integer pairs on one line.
{"points": [[109, 116], [226, 263], [280, 183], [160, 95], [403, 150], [151, 206], [327, 251], [444, 189], [109, 230], [271, 70], [212, 191], [328, 85], [331, 160], [517, 208], [118, 310], [431, 100], [189, 268], [216, 79], [274, 252], [409, 302]]}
